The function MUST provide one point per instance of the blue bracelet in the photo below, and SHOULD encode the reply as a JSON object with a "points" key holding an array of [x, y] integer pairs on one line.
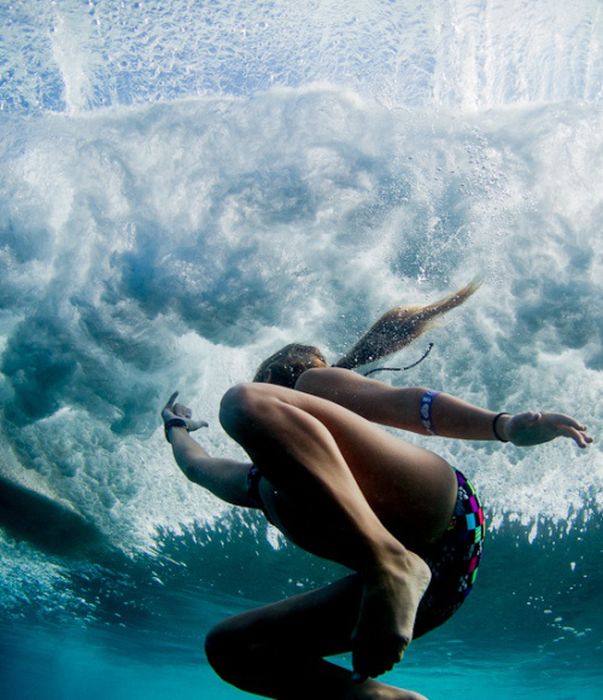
{"points": [[425, 410]]}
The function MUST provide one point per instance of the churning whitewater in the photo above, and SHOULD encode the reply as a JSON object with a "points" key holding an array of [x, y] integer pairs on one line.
{"points": [[185, 189]]}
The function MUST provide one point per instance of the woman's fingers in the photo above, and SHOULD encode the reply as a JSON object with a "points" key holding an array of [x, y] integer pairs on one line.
{"points": [[578, 435], [571, 428], [196, 424], [171, 409], [531, 428], [170, 401], [181, 410]]}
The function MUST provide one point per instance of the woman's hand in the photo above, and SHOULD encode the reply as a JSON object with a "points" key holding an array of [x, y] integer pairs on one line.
{"points": [[533, 428], [173, 410]]}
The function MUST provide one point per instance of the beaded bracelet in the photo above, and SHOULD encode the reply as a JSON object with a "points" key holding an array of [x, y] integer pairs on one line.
{"points": [[425, 410]]}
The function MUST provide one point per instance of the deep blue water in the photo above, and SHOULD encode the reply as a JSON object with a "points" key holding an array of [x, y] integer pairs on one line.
{"points": [[531, 627], [187, 186]]}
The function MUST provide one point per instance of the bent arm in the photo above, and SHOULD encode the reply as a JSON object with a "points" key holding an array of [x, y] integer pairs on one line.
{"points": [[450, 416], [225, 478]]}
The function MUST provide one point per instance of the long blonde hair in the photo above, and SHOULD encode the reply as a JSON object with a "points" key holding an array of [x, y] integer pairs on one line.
{"points": [[394, 330]]}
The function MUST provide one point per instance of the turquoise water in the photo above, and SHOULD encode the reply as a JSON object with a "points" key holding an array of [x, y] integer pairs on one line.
{"points": [[187, 186]]}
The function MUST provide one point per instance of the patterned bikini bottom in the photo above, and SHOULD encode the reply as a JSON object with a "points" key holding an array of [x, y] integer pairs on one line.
{"points": [[453, 559]]}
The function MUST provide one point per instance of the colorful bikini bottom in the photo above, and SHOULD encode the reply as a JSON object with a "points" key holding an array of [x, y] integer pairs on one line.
{"points": [[454, 559]]}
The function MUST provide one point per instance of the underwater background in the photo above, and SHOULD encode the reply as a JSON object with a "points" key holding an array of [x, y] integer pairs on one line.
{"points": [[186, 186]]}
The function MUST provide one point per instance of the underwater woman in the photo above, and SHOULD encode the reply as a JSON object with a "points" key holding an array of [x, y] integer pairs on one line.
{"points": [[408, 526]]}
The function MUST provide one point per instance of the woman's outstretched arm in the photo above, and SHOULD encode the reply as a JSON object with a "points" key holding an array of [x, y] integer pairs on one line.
{"points": [[225, 478], [420, 411]]}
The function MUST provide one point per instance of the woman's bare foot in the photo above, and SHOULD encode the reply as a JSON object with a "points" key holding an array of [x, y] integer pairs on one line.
{"points": [[392, 594]]}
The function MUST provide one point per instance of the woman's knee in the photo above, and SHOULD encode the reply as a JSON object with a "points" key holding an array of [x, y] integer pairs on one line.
{"points": [[222, 649], [311, 380], [246, 408], [238, 406], [214, 646], [234, 653]]}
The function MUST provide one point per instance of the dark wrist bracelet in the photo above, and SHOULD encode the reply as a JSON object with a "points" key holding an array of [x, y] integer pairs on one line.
{"points": [[495, 421], [173, 423]]}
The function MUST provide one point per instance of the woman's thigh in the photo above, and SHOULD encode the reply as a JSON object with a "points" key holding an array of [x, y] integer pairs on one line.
{"points": [[407, 486]]}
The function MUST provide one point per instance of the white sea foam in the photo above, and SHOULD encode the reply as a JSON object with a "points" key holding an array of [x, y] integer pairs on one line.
{"points": [[182, 243], [330, 171]]}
